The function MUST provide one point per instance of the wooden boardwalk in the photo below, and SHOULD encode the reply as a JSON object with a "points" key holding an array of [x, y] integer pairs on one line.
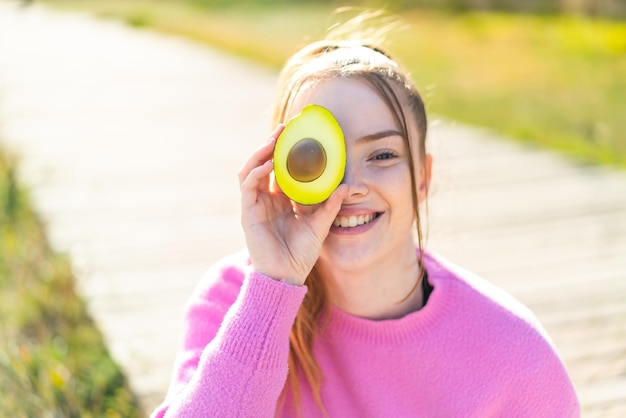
{"points": [[130, 142]]}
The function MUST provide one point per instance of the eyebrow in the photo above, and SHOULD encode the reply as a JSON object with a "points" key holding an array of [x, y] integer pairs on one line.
{"points": [[380, 135]]}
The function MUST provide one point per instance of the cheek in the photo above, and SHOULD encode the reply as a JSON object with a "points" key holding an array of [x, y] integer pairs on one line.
{"points": [[395, 183]]}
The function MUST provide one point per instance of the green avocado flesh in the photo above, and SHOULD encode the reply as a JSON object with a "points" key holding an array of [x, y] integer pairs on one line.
{"points": [[310, 156]]}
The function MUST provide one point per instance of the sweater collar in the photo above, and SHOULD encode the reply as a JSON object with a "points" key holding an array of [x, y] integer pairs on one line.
{"points": [[411, 327]]}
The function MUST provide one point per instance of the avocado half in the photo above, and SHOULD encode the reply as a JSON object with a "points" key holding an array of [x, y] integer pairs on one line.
{"points": [[310, 156]]}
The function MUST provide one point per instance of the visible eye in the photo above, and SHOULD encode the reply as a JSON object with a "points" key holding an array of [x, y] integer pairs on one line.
{"points": [[384, 155]]}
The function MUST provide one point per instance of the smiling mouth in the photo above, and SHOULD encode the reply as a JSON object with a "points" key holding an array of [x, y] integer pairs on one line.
{"points": [[352, 221]]}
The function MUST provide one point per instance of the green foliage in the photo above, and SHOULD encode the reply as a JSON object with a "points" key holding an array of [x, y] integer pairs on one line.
{"points": [[53, 360], [606, 8], [555, 81]]}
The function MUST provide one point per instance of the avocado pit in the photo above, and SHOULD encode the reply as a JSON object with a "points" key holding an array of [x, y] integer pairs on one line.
{"points": [[306, 160]]}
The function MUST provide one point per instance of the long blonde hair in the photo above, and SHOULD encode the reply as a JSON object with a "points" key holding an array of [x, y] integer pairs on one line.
{"points": [[359, 57]]}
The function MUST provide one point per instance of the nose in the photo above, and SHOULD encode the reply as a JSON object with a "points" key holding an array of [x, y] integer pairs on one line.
{"points": [[354, 178]]}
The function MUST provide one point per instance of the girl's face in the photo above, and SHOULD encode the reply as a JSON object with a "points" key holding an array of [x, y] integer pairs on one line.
{"points": [[376, 220]]}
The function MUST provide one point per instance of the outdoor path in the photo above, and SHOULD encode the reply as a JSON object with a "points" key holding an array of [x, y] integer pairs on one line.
{"points": [[131, 142]]}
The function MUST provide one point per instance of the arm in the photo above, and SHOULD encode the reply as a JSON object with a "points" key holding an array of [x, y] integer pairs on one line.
{"points": [[238, 368], [542, 388]]}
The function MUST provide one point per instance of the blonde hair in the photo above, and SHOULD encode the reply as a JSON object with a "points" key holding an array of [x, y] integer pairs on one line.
{"points": [[361, 57]]}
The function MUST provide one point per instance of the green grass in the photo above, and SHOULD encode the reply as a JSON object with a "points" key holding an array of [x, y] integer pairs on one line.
{"points": [[554, 81], [53, 360]]}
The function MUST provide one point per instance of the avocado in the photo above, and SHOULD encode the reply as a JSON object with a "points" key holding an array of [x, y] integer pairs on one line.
{"points": [[310, 156]]}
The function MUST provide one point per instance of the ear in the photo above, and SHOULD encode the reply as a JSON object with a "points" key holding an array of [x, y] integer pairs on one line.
{"points": [[425, 176]]}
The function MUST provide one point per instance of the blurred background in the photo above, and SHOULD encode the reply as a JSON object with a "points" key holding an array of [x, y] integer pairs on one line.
{"points": [[123, 124]]}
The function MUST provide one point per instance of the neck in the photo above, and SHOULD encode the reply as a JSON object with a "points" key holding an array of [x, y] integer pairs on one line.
{"points": [[382, 290]]}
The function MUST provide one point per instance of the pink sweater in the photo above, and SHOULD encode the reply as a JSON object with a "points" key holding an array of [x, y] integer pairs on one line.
{"points": [[472, 351]]}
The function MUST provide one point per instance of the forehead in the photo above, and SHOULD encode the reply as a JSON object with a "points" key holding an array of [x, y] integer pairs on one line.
{"points": [[357, 106]]}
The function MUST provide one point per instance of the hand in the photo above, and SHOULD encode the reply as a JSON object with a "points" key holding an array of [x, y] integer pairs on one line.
{"points": [[283, 243]]}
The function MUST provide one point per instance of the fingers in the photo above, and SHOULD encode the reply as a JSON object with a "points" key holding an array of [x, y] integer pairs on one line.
{"points": [[325, 214], [250, 185], [261, 155], [274, 188], [305, 210]]}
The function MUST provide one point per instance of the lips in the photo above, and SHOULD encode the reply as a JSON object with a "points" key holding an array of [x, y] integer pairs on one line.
{"points": [[353, 220]]}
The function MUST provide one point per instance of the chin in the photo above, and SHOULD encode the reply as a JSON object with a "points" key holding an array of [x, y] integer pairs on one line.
{"points": [[344, 258]]}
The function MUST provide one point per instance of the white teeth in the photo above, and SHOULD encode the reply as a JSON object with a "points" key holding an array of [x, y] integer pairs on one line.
{"points": [[352, 221]]}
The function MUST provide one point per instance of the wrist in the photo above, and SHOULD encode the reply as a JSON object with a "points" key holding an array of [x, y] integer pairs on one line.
{"points": [[279, 277]]}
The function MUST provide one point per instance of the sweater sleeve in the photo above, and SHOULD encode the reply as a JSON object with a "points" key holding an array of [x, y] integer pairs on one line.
{"points": [[540, 387], [501, 356], [234, 357]]}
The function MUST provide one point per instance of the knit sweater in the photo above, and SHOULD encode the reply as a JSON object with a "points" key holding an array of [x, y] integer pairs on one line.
{"points": [[471, 351]]}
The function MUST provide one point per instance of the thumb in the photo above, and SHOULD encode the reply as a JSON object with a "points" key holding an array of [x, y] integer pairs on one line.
{"points": [[324, 216]]}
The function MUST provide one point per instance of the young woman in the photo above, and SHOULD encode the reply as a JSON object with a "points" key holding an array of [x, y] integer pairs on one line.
{"points": [[336, 309]]}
